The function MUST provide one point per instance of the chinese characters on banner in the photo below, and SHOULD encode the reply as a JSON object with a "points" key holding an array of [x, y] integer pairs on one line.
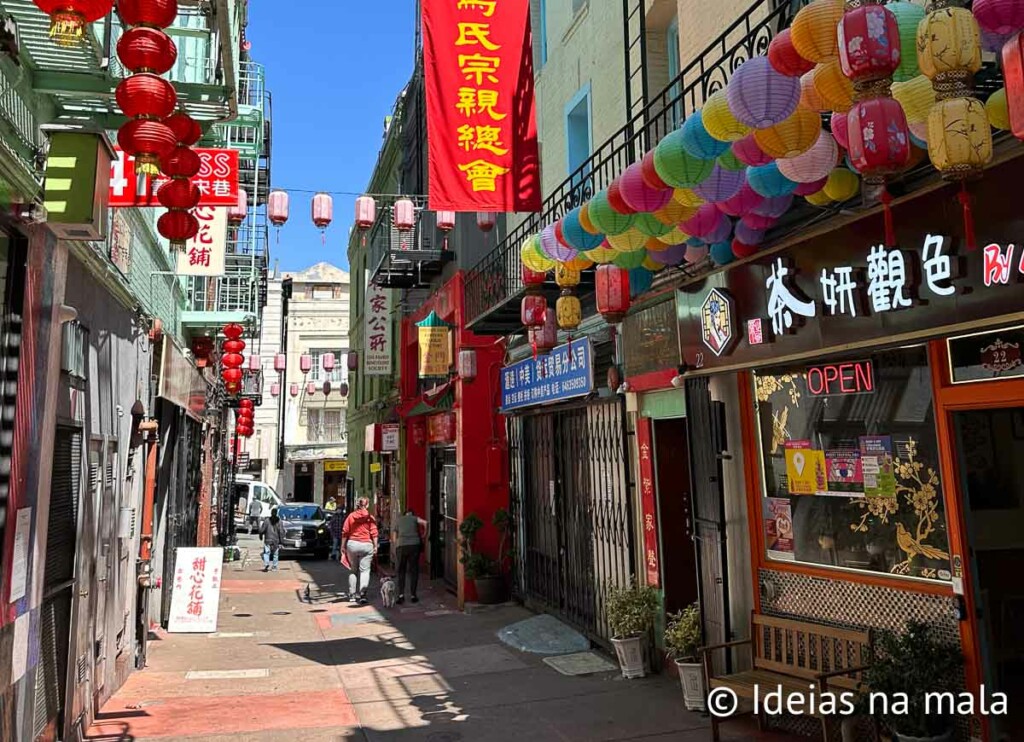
{"points": [[204, 253], [647, 502], [377, 315], [120, 242], [434, 345], [196, 593], [217, 180], [478, 61]]}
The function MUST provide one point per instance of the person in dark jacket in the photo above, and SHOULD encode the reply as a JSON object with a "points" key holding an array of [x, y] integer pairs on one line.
{"points": [[272, 533]]}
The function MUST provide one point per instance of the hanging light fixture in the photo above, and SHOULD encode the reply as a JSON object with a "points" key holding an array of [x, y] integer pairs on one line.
{"points": [[68, 18]]}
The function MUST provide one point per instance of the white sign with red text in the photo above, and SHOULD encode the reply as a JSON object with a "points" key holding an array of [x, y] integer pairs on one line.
{"points": [[377, 358], [196, 591], [217, 180], [204, 253]]}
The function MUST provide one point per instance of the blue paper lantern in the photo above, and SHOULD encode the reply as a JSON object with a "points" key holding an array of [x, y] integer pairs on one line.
{"points": [[576, 235], [640, 280], [721, 253], [769, 182], [698, 142]]}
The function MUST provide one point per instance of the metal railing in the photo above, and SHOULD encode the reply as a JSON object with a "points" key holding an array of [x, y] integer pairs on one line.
{"points": [[391, 250], [235, 291]]}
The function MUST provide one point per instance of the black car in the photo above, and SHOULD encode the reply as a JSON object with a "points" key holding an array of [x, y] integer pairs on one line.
{"points": [[305, 528]]}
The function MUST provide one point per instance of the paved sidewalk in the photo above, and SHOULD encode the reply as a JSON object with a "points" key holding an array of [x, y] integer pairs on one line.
{"points": [[282, 668]]}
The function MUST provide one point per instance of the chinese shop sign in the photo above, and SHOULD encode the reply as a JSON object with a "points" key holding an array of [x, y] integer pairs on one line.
{"points": [[478, 62], [196, 594], [564, 373], [217, 180], [433, 337], [647, 503], [377, 316], [120, 241], [204, 253]]}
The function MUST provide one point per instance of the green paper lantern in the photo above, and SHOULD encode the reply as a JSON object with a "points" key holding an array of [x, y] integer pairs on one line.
{"points": [[677, 167], [908, 16], [605, 218], [650, 225], [630, 260], [728, 161]]}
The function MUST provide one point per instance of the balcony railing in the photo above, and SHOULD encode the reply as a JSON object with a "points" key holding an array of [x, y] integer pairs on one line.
{"points": [[235, 291], [406, 258], [326, 433]]}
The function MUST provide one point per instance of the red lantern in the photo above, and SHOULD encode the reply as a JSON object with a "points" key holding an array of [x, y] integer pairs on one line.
{"points": [[185, 128], [68, 18], [238, 212], [650, 175], [865, 55], [343, 389], [544, 338], [280, 362], [179, 193], [178, 227], [880, 123], [233, 331], [785, 59], [182, 162], [233, 387], [245, 431], [231, 360], [305, 363], [143, 49], [612, 292], [148, 141], [231, 375], [532, 310], [153, 13], [532, 278], [615, 199], [1013, 76], [233, 345], [246, 404], [310, 387]]}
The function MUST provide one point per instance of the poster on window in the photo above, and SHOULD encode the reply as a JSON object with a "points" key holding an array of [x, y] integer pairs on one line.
{"points": [[845, 477], [877, 465], [778, 528], [196, 592], [204, 253], [805, 468], [377, 316]]}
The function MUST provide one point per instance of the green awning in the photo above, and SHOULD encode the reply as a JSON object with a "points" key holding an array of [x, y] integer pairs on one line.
{"points": [[441, 400]]}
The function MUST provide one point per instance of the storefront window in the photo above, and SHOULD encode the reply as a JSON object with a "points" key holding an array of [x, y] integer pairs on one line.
{"points": [[851, 467]]}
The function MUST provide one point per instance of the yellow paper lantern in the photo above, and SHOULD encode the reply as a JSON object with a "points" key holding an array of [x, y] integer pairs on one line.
{"points": [[628, 241], [792, 136], [652, 265], [959, 137], [818, 198], [566, 277], [585, 219], [835, 88], [917, 96], [998, 114], [842, 185], [579, 263], [814, 30], [532, 257], [809, 97], [949, 44], [675, 237], [568, 311], [601, 255], [718, 119], [674, 212], [686, 197]]}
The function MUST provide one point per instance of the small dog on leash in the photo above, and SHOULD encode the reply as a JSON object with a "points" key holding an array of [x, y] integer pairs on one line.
{"points": [[388, 592]]}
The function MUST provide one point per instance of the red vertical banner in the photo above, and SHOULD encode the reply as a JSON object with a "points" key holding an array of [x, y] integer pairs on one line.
{"points": [[481, 122], [648, 505]]}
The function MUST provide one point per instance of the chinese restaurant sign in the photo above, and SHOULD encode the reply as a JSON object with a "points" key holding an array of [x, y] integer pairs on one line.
{"points": [[482, 133], [204, 253], [651, 339], [196, 595], [377, 314], [217, 180], [433, 337], [566, 372], [647, 506], [843, 288]]}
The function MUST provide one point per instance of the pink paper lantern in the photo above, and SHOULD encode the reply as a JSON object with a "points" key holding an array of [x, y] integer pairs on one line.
{"points": [[748, 152], [275, 389], [806, 189], [814, 164], [696, 253], [366, 211], [294, 390], [760, 96], [446, 220], [840, 130], [722, 184], [280, 362], [322, 210], [310, 387], [746, 199], [756, 221], [305, 363], [328, 361], [255, 362], [238, 212], [640, 196], [705, 221], [403, 213], [277, 208]]}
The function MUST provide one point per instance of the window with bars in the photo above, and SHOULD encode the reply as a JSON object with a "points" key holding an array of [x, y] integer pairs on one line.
{"points": [[324, 426], [340, 372]]}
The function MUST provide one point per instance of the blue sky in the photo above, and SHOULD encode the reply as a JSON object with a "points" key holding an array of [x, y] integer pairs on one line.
{"points": [[334, 68]]}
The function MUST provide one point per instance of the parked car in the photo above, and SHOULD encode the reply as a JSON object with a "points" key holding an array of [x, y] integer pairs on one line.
{"points": [[245, 489], [305, 528]]}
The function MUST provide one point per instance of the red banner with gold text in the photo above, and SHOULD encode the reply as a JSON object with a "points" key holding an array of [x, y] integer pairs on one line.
{"points": [[648, 504], [481, 121]]}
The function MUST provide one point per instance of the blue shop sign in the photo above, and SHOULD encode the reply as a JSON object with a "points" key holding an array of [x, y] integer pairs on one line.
{"points": [[566, 372]]}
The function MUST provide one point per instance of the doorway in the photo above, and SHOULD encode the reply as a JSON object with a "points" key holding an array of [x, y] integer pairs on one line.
{"points": [[990, 454], [303, 483], [675, 513], [443, 521]]}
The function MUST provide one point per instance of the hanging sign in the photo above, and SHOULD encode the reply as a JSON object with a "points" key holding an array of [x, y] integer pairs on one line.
{"points": [[647, 502], [564, 373], [716, 321], [196, 595], [478, 65], [377, 316], [650, 339], [217, 180], [434, 346], [389, 437], [441, 428], [204, 253]]}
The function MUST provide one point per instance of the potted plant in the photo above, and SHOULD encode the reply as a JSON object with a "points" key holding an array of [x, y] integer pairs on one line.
{"points": [[682, 640], [482, 569], [915, 663], [631, 611]]}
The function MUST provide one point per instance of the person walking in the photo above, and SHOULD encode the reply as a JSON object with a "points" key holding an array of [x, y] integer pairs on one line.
{"points": [[255, 511], [408, 539], [334, 525], [272, 533], [359, 543]]}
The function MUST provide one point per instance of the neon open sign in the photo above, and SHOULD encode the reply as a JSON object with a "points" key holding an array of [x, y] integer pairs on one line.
{"points": [[848, 377]]}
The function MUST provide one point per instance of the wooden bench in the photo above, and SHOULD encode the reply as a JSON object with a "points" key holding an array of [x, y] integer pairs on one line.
{"points": [[799, 657]]}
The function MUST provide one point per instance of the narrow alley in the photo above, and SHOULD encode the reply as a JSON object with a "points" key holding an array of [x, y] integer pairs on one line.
{"points": [[281, 667]]}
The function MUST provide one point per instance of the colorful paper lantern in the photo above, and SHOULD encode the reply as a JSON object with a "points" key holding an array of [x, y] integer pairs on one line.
{"points": [[705, 221], [996, 108], [775, 206], [68, 18], [742, 250], [531, 256], [651, 265], [640, 280], [999, 16], [820, 198], [585, 219], [746, 199], [575, 235], [757, 221], [768, 181], [721, 184], [834, 88], [697, 141], [908, 15], [650, 173], [615, 199], [639, 196], [552, 248], [748, 234], [604, 218], [686, 197], [991, 42], [959, 137], [611, 292], [916, 96], [696, 254], [721, 253], [718, 120], [879, 141], [630, 260], [919, 136], [677, 167], [673, 213], [721, 232], [804, 189], [651, 226], [841, 185], [628, 241], [674, 237], [730, 161], [568, 311], [837, 123], [809, 97], [671, 255], [869, 43], [601, 255], [784, 57], [759, 97], [791, 137], [814, 30], [532, 310], [948, 41], [747, 152]]}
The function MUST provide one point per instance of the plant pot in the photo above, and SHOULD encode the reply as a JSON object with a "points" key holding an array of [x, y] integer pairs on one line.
{"points": [[630, 652], [691, 677], [490, 590], [944, 737]]}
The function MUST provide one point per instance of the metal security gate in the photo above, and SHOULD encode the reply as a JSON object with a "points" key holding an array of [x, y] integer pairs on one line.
{"points": [[570, 500], [707, 442], [183, 498]]}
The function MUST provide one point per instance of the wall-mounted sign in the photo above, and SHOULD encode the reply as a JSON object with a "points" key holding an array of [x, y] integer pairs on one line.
{"points": [[441, 428], [566, 372], [335, 465], [984, 356], [389, 437], [375, 467], [846, 377], [717, 321], [650, 339], [196, 594], [204, 253], [180, 382], [755, 331], [217, 180], [377, 335], [647, 502], [434, 346], [120, 242]]}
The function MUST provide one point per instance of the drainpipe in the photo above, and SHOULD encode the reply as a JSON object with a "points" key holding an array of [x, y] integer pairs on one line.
{"points": [[150, 427]]}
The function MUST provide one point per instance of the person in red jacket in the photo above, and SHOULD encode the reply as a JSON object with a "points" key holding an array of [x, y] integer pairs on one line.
{"points": [[359, 544]]}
